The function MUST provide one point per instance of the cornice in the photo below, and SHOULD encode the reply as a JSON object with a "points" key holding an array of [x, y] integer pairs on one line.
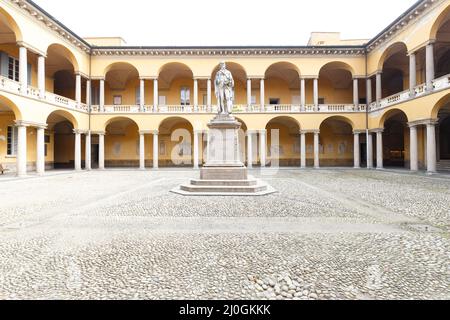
{"points": [[41, 15], [409, 17], [228, 51]]}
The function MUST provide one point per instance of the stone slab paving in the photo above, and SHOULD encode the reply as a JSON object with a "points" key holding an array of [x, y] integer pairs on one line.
{"points": [[328, 234]]}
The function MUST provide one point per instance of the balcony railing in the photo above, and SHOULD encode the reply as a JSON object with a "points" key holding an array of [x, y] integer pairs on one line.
{"points": [[32, 92], [15, 87], [439, 84]]}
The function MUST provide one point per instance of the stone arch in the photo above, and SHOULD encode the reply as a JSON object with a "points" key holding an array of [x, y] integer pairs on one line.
{"points": [[10, 105], [119, 65], [284, 65], [438, 22], [63, 114], [119, 118], [64, 52], [339, 118], [438, 106], [386, 115], [389, 51], [287, 142], [338, 65], [176, 135], [6, 18]]}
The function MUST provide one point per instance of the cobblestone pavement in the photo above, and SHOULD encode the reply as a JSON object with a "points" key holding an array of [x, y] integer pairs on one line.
{"points": [[326, 234]]}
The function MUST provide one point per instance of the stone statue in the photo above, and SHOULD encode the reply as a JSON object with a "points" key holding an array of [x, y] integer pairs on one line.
{"points": [[224, 87]]}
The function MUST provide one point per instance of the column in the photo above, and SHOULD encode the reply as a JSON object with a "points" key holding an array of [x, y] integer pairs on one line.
{"points": [[249, 150], [369, 150], [316, 92], [87, 155], [40, 144], [355, 93], [155, 95], [262, 95], [316, 150], [77, 150], [378, 88], [356, 151], [429, 62], [303, 149], [263, 147], [208, 93], [155, 150], [141, 151], [88, 92], [369, 91], [21, 150], [101, 151], [196, 149], [78, 88], [249, 92], [431, 147], [195, 94], [41, 76], [102, 95], [302, 93], [141, 95], [23, 70], [413, 146], [412, 74], [379, 149]]}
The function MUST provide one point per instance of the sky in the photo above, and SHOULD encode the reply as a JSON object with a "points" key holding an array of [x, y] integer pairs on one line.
{"points": [[225, 22]]}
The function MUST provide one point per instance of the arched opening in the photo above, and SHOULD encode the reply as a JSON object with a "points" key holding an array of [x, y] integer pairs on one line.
{"points": [[336, 142], [335, 84], [122, 85], [122, 143], [283, 141], [8, 134], [240, 83], [442, 46], [396, 139], [176, 85], [176, 136], [282, 84], [9, 51], [60, 140], [395, 67], [60, 68]]}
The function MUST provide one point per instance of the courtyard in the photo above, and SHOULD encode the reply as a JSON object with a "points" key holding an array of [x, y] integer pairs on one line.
{"points": [[326, 234]]}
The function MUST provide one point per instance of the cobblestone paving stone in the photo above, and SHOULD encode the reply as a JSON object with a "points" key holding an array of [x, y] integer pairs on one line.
{"points": [[64, 239]]}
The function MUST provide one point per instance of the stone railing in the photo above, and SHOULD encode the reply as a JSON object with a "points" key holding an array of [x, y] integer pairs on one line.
{"points": [[32, 92], [439, 84]]}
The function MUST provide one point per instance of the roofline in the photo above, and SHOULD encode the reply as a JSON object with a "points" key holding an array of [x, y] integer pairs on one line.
{"points": [[407, 12], [92, 47]]}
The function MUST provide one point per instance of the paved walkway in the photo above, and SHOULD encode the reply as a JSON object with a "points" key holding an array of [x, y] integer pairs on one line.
{"points": [[327, 234]]}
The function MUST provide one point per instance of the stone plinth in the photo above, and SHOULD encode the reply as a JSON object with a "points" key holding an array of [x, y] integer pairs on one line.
{"points": [[224, 173]]}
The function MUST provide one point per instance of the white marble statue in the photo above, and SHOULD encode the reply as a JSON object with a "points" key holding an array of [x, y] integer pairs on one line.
{"points": [[224, 88]]}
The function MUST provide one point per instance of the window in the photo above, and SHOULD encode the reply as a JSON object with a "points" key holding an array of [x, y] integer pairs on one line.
{"points": [[162, 100], [12, 141], [274, 101], [253, 101], [185, 96], [205, 99], [47, 138], [95, 97], [117, 100], [296, 100], [138, 95], [13, 69], [321, 100]]}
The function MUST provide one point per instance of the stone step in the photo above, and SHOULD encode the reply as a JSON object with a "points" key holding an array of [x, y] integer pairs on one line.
{"points": [[224, 189], [239, 183]]}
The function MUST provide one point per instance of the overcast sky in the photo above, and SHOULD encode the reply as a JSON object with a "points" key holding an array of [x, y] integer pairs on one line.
{"points": [[225, 22]]}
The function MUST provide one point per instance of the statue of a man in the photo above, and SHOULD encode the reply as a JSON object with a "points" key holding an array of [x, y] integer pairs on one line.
{"points": [[224, 87]]}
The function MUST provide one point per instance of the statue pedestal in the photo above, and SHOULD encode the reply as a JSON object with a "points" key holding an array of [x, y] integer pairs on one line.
{"points": [[224, 174]]}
